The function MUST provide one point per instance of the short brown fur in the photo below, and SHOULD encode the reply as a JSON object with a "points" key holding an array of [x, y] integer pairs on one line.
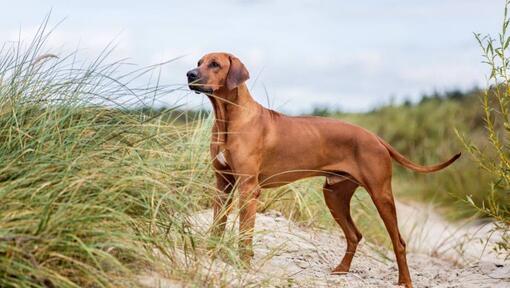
{"points": [[257, 148]]}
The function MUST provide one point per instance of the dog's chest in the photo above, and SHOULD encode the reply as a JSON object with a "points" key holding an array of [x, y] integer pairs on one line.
{"points": [[221, 158]]}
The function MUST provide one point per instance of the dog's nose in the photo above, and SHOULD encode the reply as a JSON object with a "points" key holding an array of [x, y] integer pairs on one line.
{"points": [[192, 75]]}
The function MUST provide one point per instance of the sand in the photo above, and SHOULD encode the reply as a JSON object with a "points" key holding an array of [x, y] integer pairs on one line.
{"points": [[440, 254]]}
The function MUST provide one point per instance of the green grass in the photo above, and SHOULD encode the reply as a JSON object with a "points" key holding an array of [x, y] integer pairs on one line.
{"points": [[90, 194]]}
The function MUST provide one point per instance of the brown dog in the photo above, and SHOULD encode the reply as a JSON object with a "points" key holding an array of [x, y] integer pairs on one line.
{"points": [[256, 148]]}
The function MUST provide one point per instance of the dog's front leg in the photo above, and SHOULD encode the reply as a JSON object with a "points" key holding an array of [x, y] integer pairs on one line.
{"points": [[222, 202], [249, 191]]}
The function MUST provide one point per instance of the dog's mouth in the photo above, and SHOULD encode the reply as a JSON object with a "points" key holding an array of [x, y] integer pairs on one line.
{"points": [[199, 88]]}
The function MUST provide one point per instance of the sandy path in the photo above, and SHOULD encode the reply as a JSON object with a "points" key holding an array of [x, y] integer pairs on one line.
{"points": [[287, 255], [462, 242]]}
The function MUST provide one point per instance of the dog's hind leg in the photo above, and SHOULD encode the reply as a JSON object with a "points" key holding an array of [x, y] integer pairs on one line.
{"points": [[382, 197], [338, 198]]}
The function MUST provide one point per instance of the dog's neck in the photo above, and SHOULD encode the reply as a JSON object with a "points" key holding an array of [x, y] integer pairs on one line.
{"points": [[228, 106]]}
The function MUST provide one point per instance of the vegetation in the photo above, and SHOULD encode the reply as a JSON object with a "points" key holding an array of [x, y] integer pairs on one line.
{"points": [[92, 191], [495, 159]]}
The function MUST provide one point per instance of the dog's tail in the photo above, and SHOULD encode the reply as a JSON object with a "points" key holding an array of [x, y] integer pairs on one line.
{"points": [[413, 166]]}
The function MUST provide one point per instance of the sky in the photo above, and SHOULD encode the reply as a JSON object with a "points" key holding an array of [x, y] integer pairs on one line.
{"points": [[348, 55]]}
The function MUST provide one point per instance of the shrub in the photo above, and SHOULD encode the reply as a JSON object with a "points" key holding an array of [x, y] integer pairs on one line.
{"points": [[495, 158]]}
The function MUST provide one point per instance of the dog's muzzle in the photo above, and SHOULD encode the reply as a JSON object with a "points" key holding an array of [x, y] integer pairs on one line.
{"points": [[193, 81], [192, 75]]}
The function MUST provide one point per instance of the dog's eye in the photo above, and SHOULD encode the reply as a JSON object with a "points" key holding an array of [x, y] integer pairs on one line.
{"points": [[199, 63], [214, 64]]}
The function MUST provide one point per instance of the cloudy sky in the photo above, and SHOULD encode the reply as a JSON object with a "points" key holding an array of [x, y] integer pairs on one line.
{"points": [[352, 55]]}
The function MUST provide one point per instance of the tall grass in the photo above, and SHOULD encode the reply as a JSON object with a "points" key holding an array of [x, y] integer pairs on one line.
{"points": [[92, 193]]}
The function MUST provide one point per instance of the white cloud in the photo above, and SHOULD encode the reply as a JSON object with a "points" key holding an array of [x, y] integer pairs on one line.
{"points": [[346, 53], [89, 40]]}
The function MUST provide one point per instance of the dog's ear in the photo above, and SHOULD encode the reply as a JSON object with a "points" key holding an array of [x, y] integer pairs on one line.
{"points": [[237, 73]]}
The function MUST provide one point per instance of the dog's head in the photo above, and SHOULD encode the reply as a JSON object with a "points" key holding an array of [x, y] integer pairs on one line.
{"points": [[217, 71]]}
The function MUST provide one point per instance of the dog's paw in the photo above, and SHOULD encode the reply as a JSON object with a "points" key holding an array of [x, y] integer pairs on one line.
{"points": [[340, 270], [405, 284], [246, 256]]}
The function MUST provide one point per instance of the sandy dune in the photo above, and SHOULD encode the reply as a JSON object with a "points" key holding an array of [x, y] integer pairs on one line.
{"points": [[287, 255]]}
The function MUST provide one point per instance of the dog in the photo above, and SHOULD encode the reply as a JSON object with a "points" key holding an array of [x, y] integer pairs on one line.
{"points": [[253, 148]]}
